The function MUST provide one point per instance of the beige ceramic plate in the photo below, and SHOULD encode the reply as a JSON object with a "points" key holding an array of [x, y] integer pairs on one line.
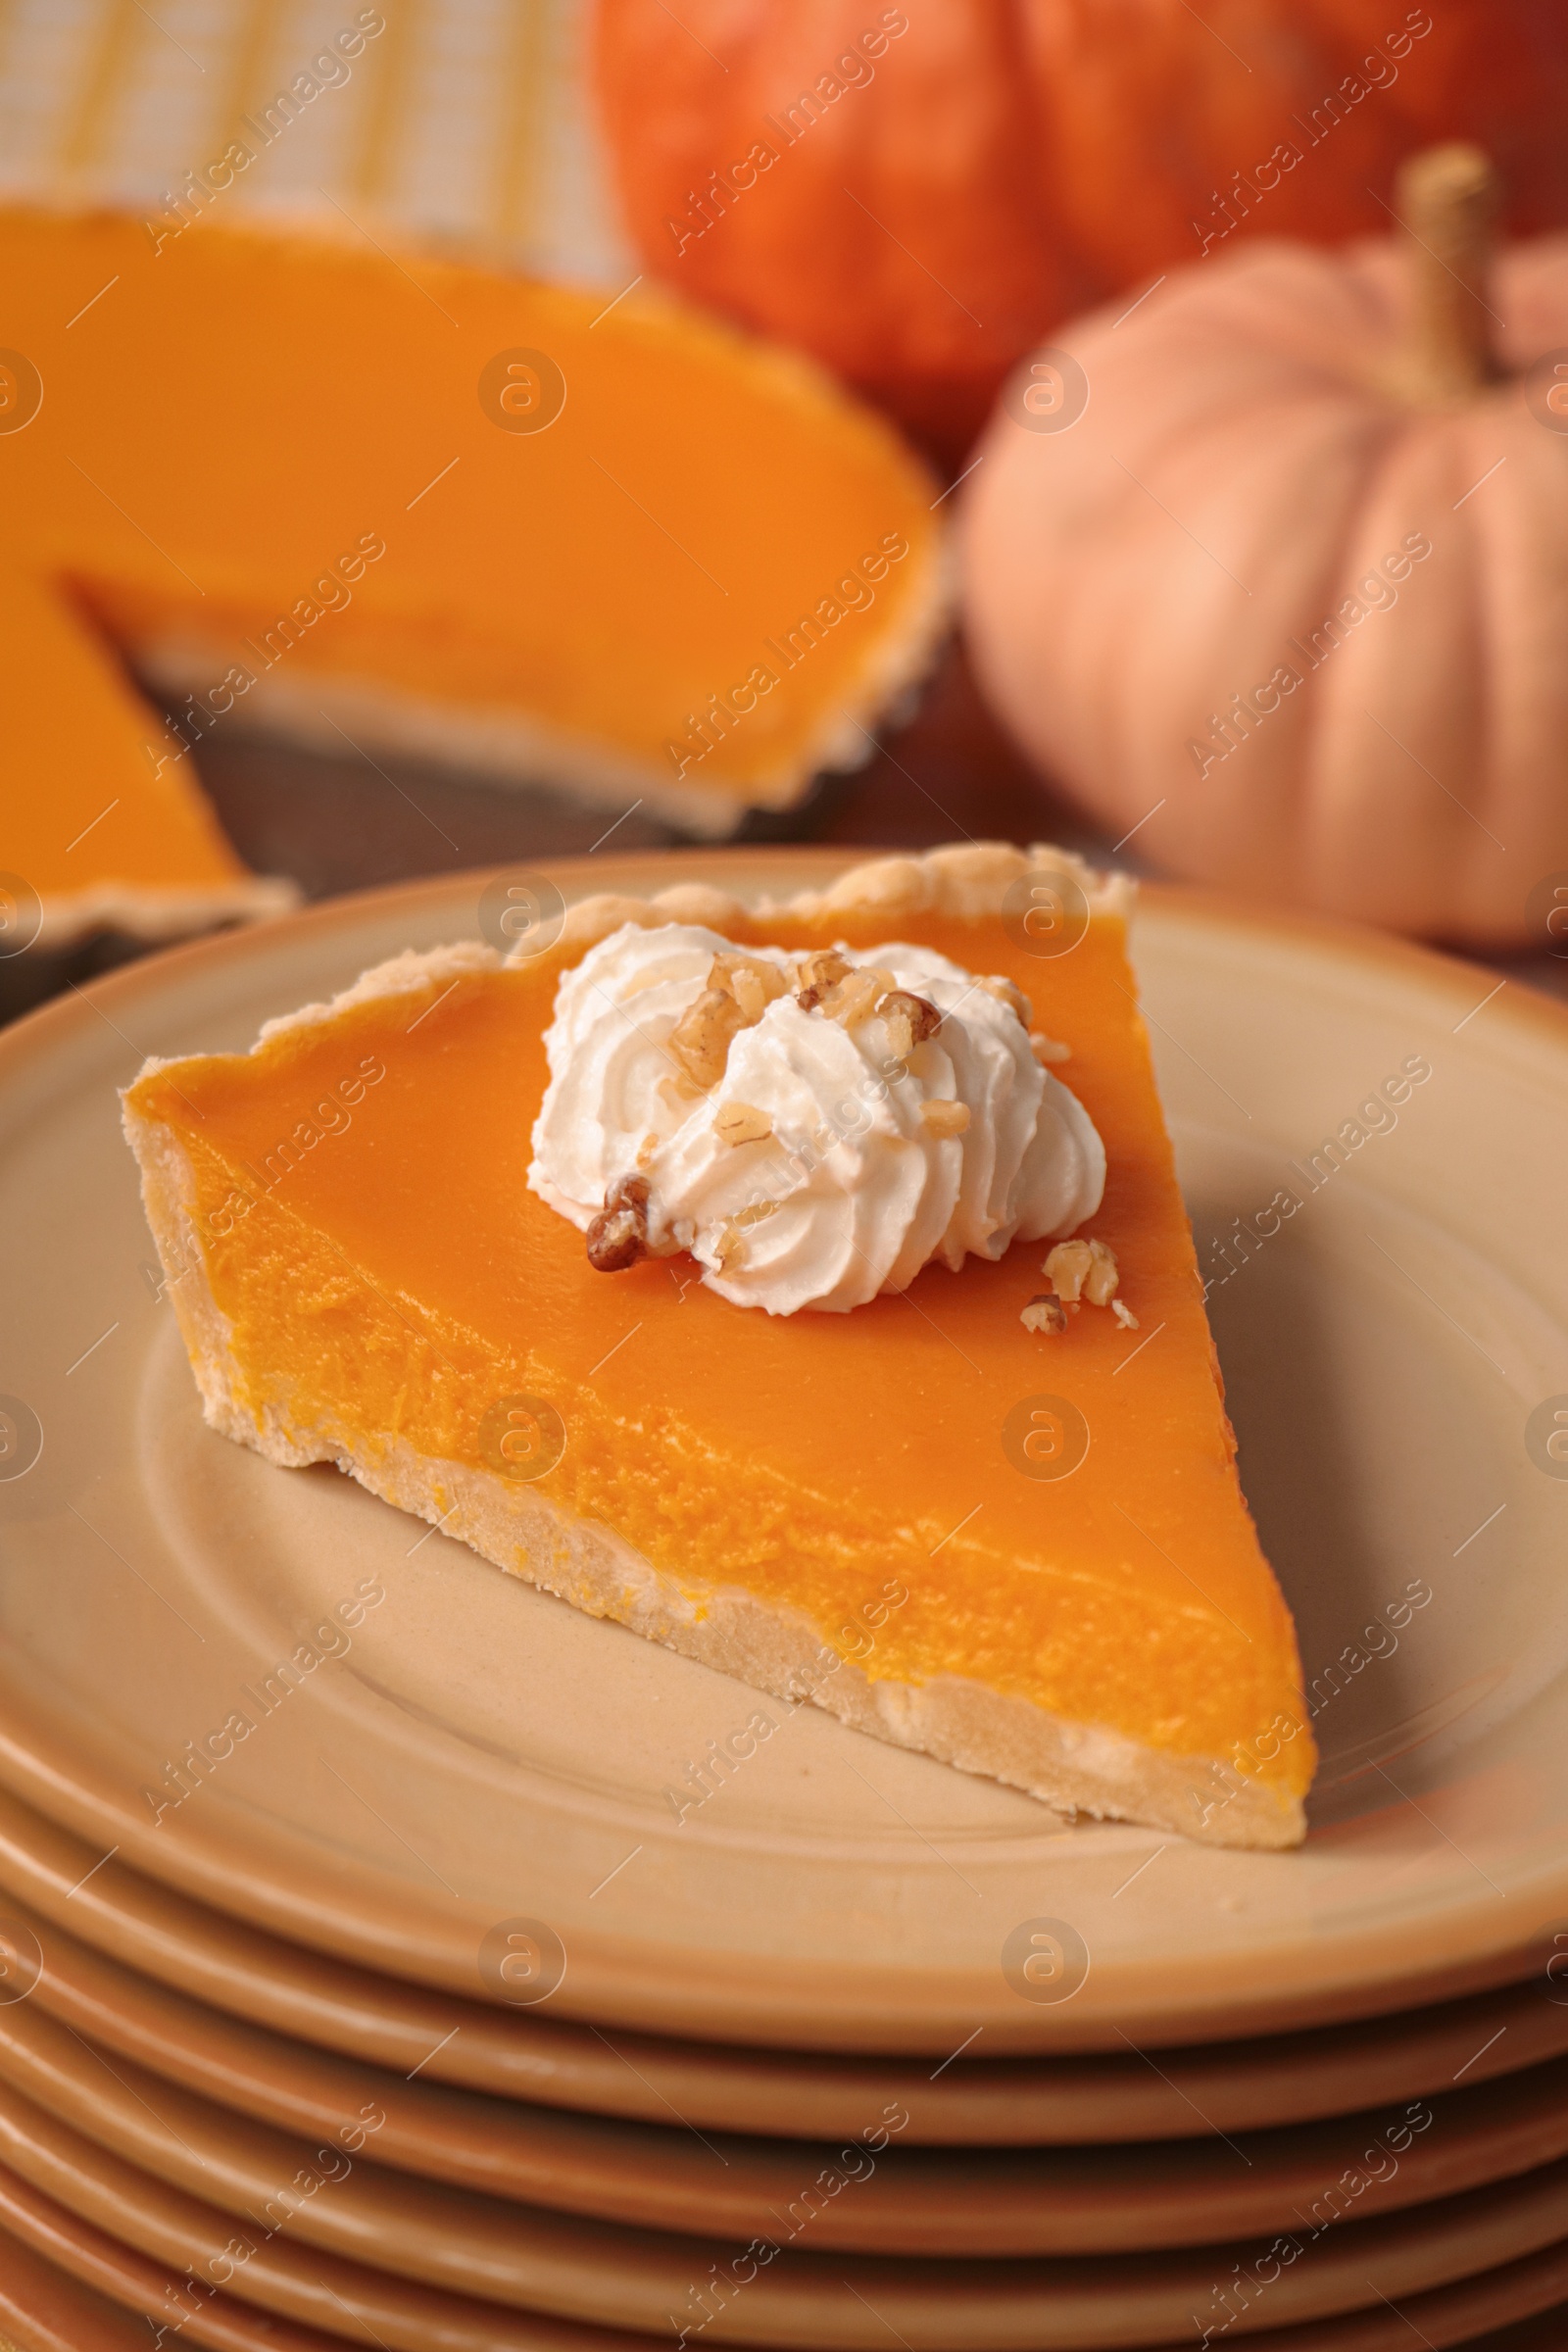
{"points": [[332, 2195], [528, 2054], [44, 2310], [354, 2298], [298, 2283], [47, 2311], [66, 2286], [483, 1754], [903, 2200]]}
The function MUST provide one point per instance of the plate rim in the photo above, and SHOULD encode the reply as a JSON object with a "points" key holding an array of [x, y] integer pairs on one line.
{"points": [[43, 1881], [242, 2063], [406, 2226]]}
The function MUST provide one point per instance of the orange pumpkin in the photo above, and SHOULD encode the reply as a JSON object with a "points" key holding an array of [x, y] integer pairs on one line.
{"points": [[1274, 572], [917, 195]]}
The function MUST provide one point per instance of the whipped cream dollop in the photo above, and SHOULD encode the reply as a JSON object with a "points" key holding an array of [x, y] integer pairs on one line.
{"points": [[814, 1129]]}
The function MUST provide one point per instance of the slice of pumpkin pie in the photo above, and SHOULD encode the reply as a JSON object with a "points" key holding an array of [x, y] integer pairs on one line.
{"points": [[804, 1286]]}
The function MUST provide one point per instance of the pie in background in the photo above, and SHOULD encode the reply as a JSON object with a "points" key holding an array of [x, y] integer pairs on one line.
{"points": [[380, 502], [1014, 1540]]}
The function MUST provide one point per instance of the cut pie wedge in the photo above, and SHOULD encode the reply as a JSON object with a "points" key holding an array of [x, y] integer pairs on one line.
{"points": [[99, 828], [1019, 1546]]}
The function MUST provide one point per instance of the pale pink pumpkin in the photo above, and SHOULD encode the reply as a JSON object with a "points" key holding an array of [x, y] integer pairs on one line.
{"points": [[1290, 596]]}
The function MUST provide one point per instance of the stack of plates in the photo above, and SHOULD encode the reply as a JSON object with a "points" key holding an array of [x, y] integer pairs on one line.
{"points": [[420, 2014]]}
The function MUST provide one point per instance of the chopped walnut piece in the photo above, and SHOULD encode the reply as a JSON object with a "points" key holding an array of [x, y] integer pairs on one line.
{"points": [[1047, 1050], [1044, 1314], [942, 1117], [910, 1019], [700, 1039], [730, 1245], [1104, 1278], [851, 994], [740, 988], [742, 1123], [751, 980], [729, 1250], [818, 973], [1084, 1270], [1067, 1266], [751, 994], [859, 995], [1125, 1315], [1008, 991], [619, 1236]]}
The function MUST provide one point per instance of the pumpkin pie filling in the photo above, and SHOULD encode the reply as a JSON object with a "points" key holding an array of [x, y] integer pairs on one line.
{"points": [[959, 1528]]}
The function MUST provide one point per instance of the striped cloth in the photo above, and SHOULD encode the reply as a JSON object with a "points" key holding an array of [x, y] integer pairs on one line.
{"points": [[462, 118]]}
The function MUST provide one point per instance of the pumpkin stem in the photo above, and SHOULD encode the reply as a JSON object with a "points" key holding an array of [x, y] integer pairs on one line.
{"points": [[1448, 200]]}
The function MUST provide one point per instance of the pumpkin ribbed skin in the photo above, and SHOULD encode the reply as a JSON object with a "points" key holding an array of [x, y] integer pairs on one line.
{"points": [[1240, 480], [1000, 164], [900, 236]]}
